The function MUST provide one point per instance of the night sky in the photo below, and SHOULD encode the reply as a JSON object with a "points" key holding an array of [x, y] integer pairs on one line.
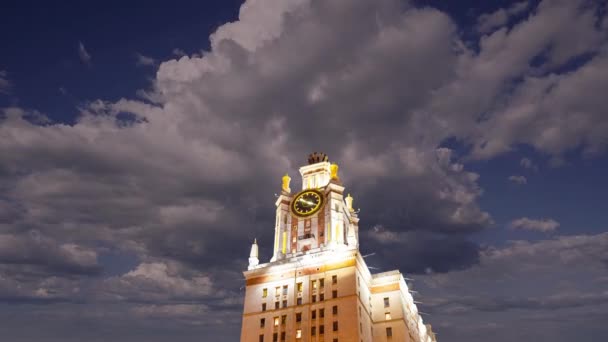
{"points": [[142, 145]]}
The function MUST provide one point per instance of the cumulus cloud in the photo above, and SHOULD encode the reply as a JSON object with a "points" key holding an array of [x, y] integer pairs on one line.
{"points": [[542, 225], [518, 179], [83, 54], [541, 280], [490, 21]]}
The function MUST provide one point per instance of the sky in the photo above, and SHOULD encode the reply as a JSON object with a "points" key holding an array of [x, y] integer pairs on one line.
{"points": [[141, 148]]}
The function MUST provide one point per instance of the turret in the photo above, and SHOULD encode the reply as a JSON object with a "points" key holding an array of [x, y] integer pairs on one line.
{"points": [[253, 255]]}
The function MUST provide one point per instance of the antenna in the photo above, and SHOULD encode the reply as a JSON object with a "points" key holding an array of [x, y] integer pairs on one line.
{"points": [[370, 254]]}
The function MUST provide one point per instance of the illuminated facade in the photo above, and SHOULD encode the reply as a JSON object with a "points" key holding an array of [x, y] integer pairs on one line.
{"points": [[317, 286]]}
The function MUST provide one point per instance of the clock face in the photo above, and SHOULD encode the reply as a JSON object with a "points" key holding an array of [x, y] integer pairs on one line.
{"points": [[307, 202]]}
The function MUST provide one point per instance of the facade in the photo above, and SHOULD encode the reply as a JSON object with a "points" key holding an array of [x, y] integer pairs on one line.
{"points": [[317, 286]]}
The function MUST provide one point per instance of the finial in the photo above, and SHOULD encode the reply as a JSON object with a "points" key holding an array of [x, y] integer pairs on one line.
{"points": [[349, 202], [334, 171], [317, 157], [286, 180]]}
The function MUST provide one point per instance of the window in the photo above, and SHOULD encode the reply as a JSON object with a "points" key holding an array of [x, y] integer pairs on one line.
{"points": [[264, 293], [334, 310], [262, 322], [277, 291], [299, 287], [299, 301], [334, 279], [360, 327], [335, 340], [282, 336], [276, 305], [359, 311], [285, 303], [321, 282], [314, 314], [321, 313], [389, 332], [283, 319], [321, 297], [387, 316], [314, 298], [261, 338], [299, 317], [299, 333], [335, 326], [276, 321], [314, 284], [313, 331], [275, 337], [334, 294], [263, 306], [321, 329], [386, 302], [285, 290]]}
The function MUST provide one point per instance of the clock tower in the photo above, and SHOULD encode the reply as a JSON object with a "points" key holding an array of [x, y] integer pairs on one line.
{"points": [[317, 286]]}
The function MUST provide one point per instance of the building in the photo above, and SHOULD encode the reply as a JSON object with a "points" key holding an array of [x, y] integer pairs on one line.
{"points": [[317, 286]]}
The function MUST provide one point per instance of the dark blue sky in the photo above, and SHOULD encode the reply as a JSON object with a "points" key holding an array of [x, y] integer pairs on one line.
{"points": [[472, 133]]}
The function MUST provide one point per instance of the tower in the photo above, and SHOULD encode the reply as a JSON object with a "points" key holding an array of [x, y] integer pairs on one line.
{"points": [[317, 286]]}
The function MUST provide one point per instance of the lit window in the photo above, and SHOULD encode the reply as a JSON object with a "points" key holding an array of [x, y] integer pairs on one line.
{"points": [[386, 302], [314, 284], [335, 326], [300, 287], [387, 316], [334, 279], [264, 293], [389, 332], [276, 321], [277, 291], [334, 294], [298, 317], [299, 333], [262, 322]]}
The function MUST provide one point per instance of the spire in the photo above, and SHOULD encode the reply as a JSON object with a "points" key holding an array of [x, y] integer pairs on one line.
{"points": [[253, 255]]}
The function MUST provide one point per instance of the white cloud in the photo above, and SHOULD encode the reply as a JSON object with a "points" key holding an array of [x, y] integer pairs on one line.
{"points": [[144, 60], [542, 225], [518, 179], [84, 55], [488, 22]]}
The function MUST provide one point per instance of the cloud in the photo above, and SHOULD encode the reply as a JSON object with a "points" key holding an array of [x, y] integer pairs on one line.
{"points": [[488, 22], [5, 84], [526, 163], [519, 282], [178, 52], [518, 179], [83, 54], [542, 225], [144, 60]]}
